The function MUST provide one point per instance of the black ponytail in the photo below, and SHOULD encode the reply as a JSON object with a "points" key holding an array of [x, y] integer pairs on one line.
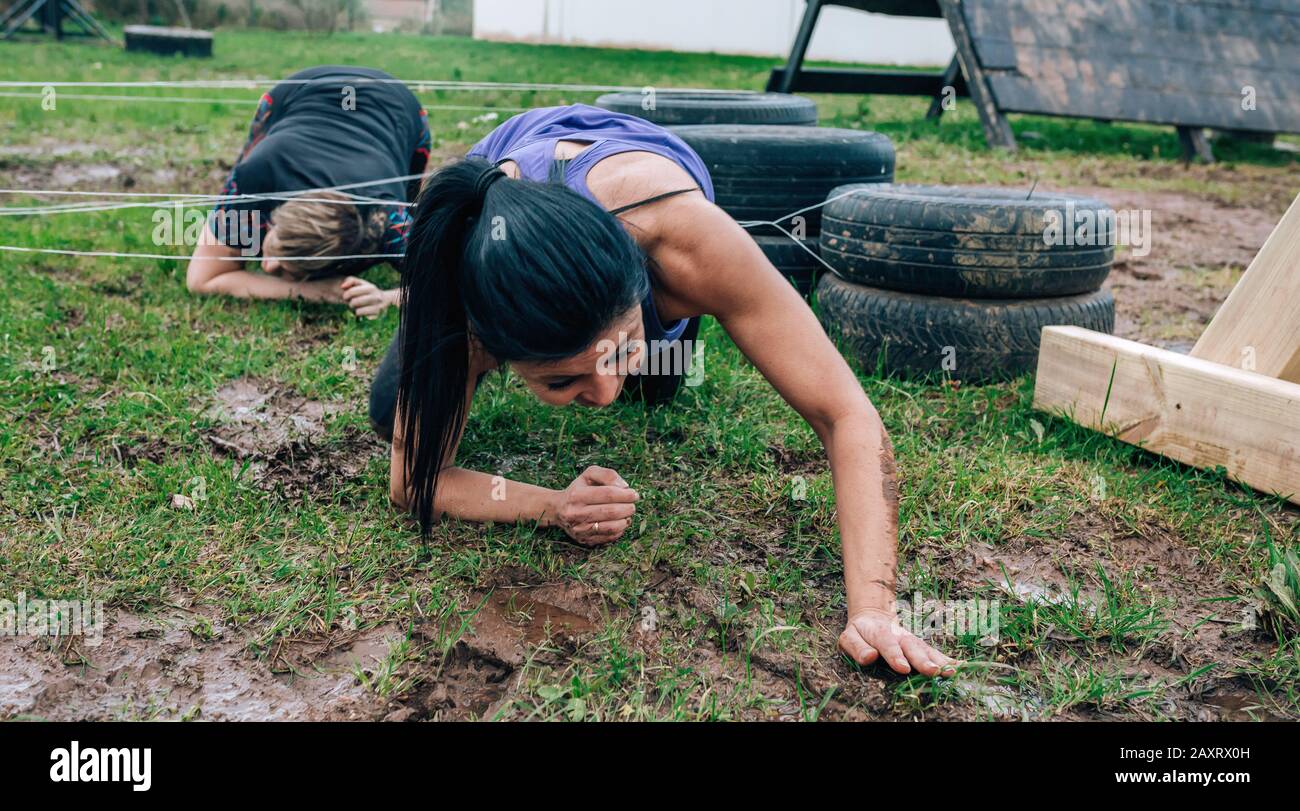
{"points": [[533, 270]]}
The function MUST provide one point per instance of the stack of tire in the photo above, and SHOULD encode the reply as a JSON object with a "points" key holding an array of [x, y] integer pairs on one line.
{"points": [[772, 167], [928, 280], [936, 280]]}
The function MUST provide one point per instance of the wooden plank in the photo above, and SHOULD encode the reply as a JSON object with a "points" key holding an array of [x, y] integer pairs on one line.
{"points": [[1054, 97], [1129, 24], [1196, 147], [951, 78], [849, 80], [1229, 59], [997, 131], [1259, 324], [1131, 19], [1109, 72], [1195, 411]]}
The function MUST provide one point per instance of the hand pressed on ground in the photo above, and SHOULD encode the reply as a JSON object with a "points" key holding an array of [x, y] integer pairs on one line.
{"points": [[875, 633], [597, 508]]}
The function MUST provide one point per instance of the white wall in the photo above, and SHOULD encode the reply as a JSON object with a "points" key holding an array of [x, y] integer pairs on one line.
{"points": [[764, 27]]}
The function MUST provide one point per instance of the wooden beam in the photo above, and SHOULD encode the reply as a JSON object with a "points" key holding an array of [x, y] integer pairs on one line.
{"points": [[997, 131], [784, 83], [848, 80], [1196, 147], [1198, 412], [1258, 327], [951, 78]]}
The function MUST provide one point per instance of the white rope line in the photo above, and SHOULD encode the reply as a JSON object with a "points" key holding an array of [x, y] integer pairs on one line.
{"points": [[746, 224], [124, 255], [87, 208], [777, 224], [96, 97], [195, 200], [804, 247], [75, 192], [358, 185], [127, 255], [170, 196], [792, 214], [417, 84], [462, 108]]}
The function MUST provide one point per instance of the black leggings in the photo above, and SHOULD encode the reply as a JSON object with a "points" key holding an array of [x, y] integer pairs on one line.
{"points": [[653, 389]]}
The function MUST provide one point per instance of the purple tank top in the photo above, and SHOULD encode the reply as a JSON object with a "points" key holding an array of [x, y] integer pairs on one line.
{"points": [[529, 140]]}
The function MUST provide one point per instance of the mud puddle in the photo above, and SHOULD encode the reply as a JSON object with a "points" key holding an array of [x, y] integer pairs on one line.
{"points": [[282, 436], [160, 666], [510, 625], [1233, 704], [1151, 566], [260, 420]]}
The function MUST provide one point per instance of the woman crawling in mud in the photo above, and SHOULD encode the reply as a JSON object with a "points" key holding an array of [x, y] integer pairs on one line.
{"points": [[328, 127], [574, 244]]}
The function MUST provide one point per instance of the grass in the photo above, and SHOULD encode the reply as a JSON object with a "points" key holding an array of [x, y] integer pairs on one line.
{"points": [[109, 370]]}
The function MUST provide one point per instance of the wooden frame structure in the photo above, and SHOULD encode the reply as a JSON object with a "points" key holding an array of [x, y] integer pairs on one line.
{"points": [[49, 16], [1233, 403], [794, 77], [1228, 65]]}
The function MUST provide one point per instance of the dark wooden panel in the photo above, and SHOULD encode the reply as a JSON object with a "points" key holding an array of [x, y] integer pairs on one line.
{"points": [[1132, 18], [1182, 62], [1227, 46], [1143, 106], [997, 54], [1111, 68]]}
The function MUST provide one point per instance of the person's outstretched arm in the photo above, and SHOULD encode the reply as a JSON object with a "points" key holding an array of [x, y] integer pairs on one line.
{"points": [[215, 269], [711, 265]]}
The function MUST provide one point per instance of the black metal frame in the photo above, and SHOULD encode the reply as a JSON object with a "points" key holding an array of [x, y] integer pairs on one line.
{"points": [[51, 19], [794, 77]]}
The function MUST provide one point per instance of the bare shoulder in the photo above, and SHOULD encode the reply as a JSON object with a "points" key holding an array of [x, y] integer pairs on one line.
{"points": [[630, 177], [696, 248]]}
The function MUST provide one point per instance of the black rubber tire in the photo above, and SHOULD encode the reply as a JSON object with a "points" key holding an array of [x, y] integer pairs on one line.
{"points": [[675, 107], [769, 172], [795, 263], [960, 241], [943, 240], [909, 335], [167, 41], [989, 275]]}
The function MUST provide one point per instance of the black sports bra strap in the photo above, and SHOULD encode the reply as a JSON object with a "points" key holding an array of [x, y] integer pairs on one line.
{"points": [[555, 174], [650, 200]]}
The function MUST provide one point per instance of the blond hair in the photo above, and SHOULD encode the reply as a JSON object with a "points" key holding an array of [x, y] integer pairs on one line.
{"points": [[324, 225]]}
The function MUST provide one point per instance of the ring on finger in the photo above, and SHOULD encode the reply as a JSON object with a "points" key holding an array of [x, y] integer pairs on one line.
{"points": [[595, 527]]}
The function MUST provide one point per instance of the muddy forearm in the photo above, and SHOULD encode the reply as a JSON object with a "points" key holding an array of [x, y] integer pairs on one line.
{"points": [[866, 498]]}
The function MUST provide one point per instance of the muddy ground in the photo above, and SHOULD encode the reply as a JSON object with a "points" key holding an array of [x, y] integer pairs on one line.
{"points": [[181, 662], [1198, 251]]}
